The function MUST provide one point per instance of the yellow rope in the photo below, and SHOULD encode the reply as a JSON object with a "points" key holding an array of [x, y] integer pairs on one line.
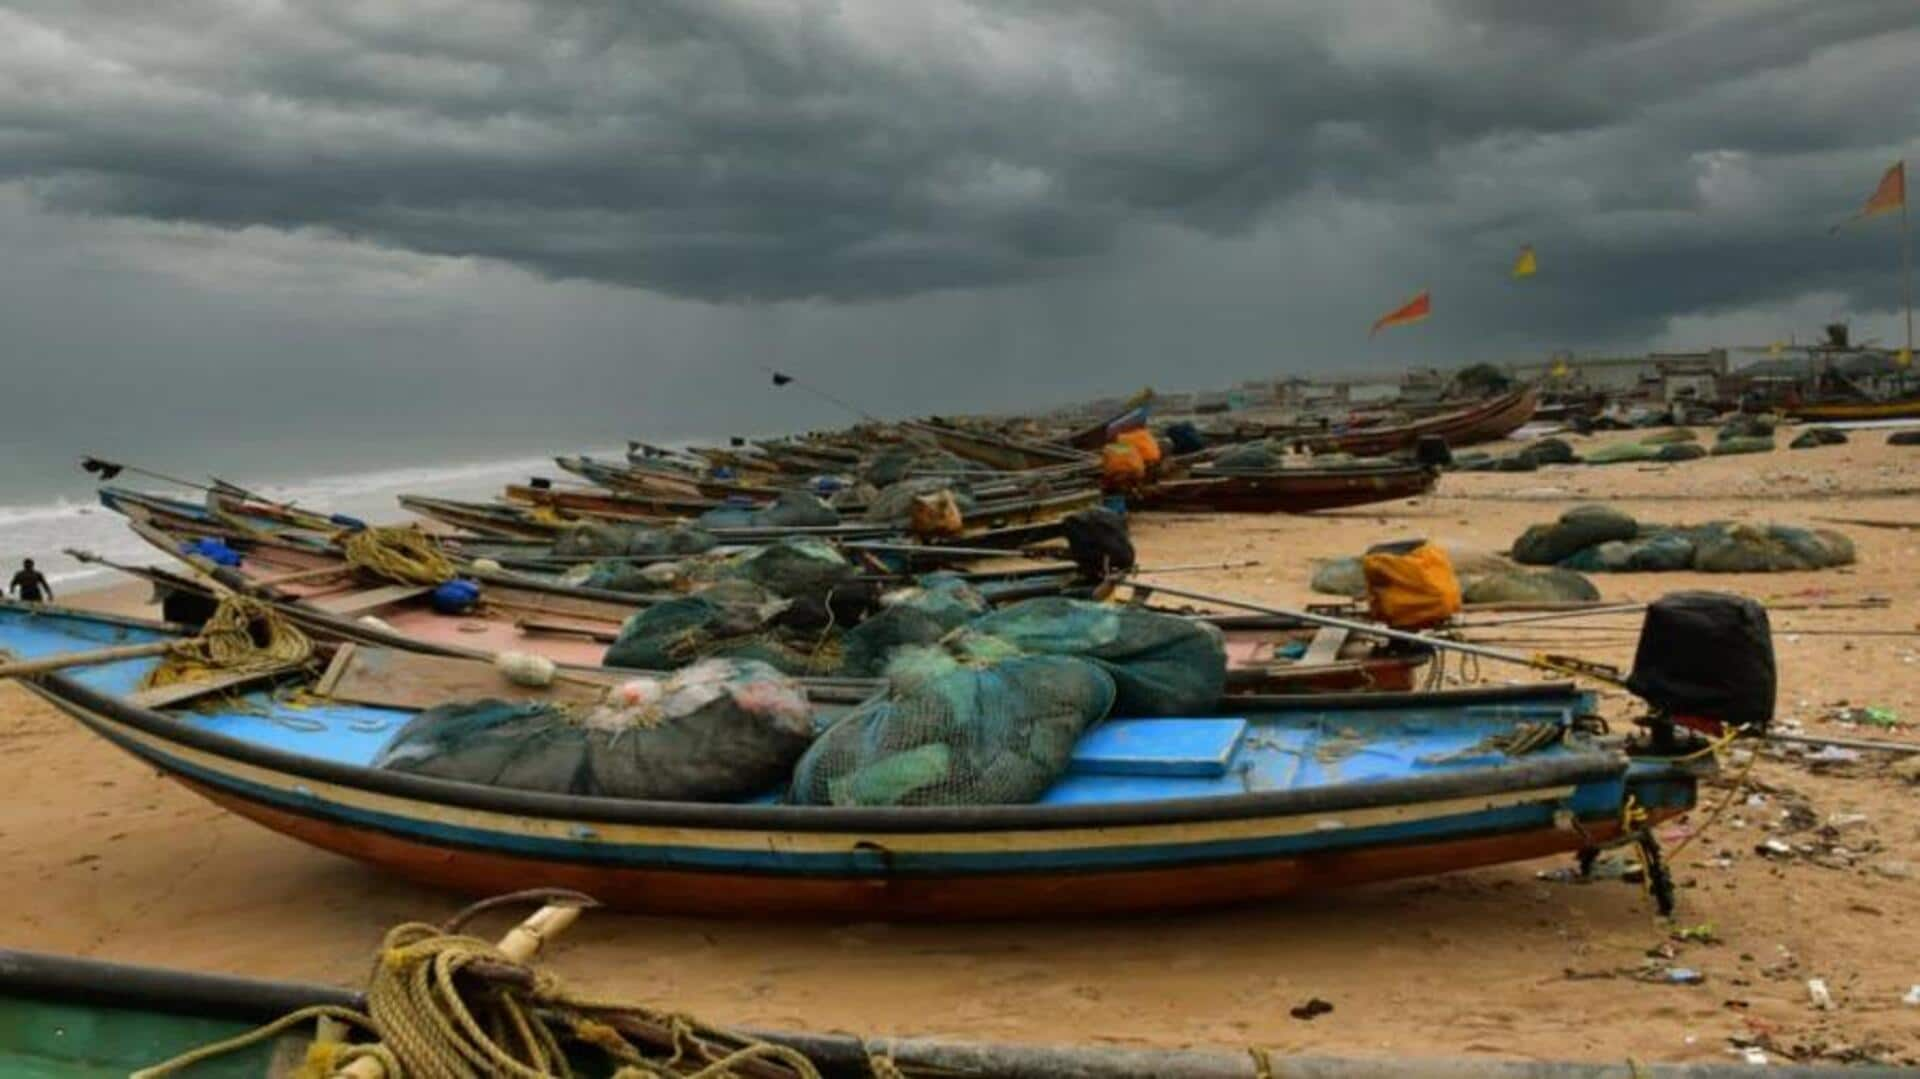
{"points": [[227, 645], [399, 553], [432, 1025], [328, 1057]]}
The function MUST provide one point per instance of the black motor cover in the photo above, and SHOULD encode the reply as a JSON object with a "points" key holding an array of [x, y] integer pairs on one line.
{"points": [[1097, 540], [1707, 654]]}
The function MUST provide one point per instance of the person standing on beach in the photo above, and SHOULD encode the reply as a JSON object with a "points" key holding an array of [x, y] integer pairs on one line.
{"points": [[30, 584]]}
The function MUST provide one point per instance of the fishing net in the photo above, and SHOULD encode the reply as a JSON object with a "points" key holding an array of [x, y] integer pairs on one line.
{"points": [[1550, 451], [938, 605], [681, 630], [1622, 453], [629, 577], [1577, 529], [1727, 447], [606, 538], [793, 566], [1659, 552], [1721, 547], [1681, 451], [976, 731], [1162, 665], [1261, 456], [1670, 435], [894, 503], [720, 730], [1815, 437], [1530, 586], [790, 509]]}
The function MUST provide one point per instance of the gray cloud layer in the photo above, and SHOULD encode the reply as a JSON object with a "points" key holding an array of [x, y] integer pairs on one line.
{"points": [[373, 231], [747, 151]]}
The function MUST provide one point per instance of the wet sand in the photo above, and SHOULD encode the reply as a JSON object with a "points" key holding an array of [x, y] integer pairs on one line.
{"points": [[105, 859]]}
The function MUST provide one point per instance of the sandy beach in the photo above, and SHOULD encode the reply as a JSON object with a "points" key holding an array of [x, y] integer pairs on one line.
{"points": [[107, 860]]}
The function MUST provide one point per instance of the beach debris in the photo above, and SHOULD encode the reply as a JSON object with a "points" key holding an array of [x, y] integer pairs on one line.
{"points": [[1696, 934], [1312, 1009], [1682, 976], [1868, 716], [1819, 995], [1894, 869], [1912, 997], [1752, 1054]]}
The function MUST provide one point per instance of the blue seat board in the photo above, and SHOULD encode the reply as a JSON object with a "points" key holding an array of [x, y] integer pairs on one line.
{"points": [[1159, 747]]}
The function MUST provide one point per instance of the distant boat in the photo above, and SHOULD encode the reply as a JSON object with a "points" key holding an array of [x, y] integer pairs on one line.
{"points": [[1494, 418], [1905, 408], [1287, 490], [1265, 797]]}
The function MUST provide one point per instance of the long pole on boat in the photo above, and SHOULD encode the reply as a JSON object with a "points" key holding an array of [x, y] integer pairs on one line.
{"points": [[1538, 661]]}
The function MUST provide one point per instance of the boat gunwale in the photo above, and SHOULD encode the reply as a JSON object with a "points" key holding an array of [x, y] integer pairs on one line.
{"points": [[87, 704]]}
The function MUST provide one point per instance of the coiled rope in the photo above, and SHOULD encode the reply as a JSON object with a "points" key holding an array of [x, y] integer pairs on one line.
{"points": [[402, 554], [445, 1005], [228, 644]]}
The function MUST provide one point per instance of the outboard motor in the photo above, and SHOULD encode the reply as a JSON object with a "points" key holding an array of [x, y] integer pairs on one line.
{"points": [[1705, 662], [1432, 451]]}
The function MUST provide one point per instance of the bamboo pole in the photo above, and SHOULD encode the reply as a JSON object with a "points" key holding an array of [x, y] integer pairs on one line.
{"points": [[26, 667]]}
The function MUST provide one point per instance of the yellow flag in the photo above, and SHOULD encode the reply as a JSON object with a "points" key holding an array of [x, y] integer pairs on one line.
{"points": [[1525, 265], [1905, 359], [1560, 370], [1777, 347]]}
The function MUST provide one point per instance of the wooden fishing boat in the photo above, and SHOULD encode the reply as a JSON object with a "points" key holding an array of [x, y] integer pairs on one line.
{"points": [[1288, 490], [1491, 419], [1002, 452], [649, 480], [627, 505], [507, 520], [1906, 408], [1269, 796]]}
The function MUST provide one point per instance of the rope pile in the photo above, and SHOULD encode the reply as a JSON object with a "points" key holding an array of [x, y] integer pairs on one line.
{"points": [[227, 645], [444, 1005], [402, 554]]}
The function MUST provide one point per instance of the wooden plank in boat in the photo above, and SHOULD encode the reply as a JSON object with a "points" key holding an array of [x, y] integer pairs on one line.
{"points": [[391, 678], [360, 602], [1325, 647], [532, 625], [179, 692], [1159, 747]]}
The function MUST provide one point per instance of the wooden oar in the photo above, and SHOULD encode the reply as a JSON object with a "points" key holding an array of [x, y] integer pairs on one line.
{"points": [[25, 667]]}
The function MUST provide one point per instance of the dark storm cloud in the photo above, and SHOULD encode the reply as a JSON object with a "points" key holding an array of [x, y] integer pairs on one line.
{"points": [[1679, 156]]}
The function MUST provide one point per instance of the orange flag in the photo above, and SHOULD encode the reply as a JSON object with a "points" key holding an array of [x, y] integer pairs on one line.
{"points": [[1889, 196], [1413, 311]]}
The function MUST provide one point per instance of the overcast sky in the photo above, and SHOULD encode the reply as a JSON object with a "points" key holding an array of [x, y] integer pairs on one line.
{"points": [[575, 221]]}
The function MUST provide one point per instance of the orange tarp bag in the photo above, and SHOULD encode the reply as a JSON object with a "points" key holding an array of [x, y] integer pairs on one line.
{"points": [[1411, 588], [1121, 467], [1143, 443]]}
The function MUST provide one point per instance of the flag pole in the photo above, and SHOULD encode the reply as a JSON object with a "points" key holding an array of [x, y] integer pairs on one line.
{"points": [[1906, 264]]}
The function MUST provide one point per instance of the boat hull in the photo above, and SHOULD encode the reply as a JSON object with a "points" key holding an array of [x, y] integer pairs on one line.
{"points": [[1303, 491], [1907, 409], [1485, 422], [935, 863]]}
